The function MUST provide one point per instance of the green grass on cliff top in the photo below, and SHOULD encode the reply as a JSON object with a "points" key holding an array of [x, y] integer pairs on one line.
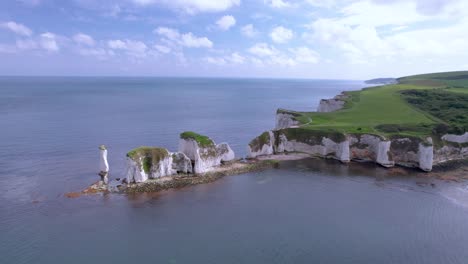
{"points": [[368, 110], [203, 141]]}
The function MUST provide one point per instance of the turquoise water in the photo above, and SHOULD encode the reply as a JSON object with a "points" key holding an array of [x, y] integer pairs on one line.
{"points": [[303, 212]]}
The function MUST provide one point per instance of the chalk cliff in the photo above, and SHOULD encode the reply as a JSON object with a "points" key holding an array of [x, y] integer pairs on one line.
{"points": [[103, 164], [397, 150], [286, 118], [261, 145], [334, 104], [145, 163], [203, 151]]}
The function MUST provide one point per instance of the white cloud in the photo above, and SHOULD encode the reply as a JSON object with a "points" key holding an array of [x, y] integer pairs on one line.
{"points": [[169, 33], [305, 55], [215, 60], [116, 44], [281, 34], [101, 54], [192, 41], [26, 44], [321, 3], [277, 3], [193, 6], [231, 59], [17, 28], [186, 40], [374, 14], [226, 22], [357, 33], [249, 31], [162, 49], [130, 47], [263, 50], [236, 58], [48, 42], [84, 39]]}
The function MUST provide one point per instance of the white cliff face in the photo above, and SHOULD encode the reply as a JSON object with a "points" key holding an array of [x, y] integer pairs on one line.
{"points": [[262, 149], [284, 120], [383, 151], [331, 105], [103, 164], [340, 150], [205, 158], [162, 168], [456, 138], [405, 152], [181, 163], [169, 165], [426, 157], [448, 153], [327, 148], [408, 152], [371, 148], [135, 172], [225, 152]]}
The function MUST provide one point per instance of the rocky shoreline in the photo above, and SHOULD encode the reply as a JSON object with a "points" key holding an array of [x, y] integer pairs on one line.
{"points": [[294, 134], [230, 169], [200, 160]]}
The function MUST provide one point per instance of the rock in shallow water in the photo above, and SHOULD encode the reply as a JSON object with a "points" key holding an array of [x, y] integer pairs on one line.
{"points": [[197, 154], [204, 152]]}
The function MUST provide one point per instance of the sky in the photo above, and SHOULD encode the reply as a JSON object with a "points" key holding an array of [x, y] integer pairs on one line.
{"points": [[319, 39]]}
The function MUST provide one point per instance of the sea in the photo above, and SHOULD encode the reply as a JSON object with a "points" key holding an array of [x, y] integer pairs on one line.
{"points": [[309, 211]]}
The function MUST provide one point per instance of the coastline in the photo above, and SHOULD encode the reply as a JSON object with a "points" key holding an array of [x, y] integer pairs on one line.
{"points": [[454, 171]]}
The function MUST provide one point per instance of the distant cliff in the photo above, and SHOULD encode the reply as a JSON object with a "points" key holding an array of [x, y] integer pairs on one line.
{"points": [[382, 81]]}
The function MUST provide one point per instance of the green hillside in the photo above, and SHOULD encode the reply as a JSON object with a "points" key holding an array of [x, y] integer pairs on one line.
{"points": [[418, 105]]}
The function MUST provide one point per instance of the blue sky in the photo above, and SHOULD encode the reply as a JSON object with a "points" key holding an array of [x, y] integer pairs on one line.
{"points": [[338, 39]]}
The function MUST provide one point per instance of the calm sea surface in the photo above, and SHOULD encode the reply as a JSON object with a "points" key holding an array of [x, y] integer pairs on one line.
{"points": [[309, 211]]}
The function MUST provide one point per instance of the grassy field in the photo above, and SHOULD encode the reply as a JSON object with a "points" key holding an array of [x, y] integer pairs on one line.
{"points": [[388, 109]]}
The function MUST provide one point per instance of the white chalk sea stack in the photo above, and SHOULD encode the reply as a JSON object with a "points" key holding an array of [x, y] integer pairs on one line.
{"points": [[145, 163], [103, 164], [203, 151], [262, 145], [197, 155]]}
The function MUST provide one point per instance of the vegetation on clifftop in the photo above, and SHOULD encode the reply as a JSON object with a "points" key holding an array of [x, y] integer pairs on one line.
{"points": [[258, 142], [418, 106], [148, 156], [203, 141]]}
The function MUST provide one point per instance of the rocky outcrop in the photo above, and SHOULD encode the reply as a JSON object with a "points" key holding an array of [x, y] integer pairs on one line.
{"points": [[368, 147], [286, 119], [454, 147], [103, 164], [398, 150], [316, 146], [198, 154], [145, 163], [426, 156], [261, 145], [300, 140], [334, 104], [181, 163], [456, 138], [203, 152], [225, 152]]}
